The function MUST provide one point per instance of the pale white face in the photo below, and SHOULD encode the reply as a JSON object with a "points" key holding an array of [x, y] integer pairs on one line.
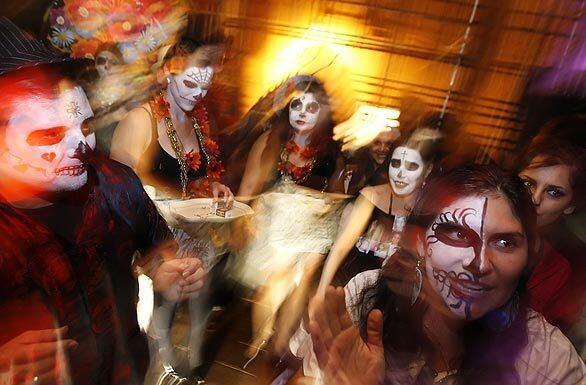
{"points": [[44, 139], [190, 86], [304, 112], [406, 171], [106, 61], [475, 252]]}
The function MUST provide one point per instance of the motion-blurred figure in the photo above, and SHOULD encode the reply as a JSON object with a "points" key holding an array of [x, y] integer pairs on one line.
{"points": [[553, 169], [376, 220], [75, 227], [289, 165], [450, 306]]}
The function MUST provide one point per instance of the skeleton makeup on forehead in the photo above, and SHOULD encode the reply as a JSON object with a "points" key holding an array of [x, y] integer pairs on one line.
{"points": [[190, 86], [455, 254], [44, 141], [406, 171], [304, 112]]}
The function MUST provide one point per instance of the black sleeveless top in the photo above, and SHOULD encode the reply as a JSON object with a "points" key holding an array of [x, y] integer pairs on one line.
{"points": [[165, 167]]}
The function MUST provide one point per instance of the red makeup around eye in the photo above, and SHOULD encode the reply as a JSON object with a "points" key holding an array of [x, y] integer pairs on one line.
{"points": [[46, 137]]}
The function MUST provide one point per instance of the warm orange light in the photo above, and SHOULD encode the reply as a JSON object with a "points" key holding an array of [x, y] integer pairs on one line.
{"points": [[322, 50]]}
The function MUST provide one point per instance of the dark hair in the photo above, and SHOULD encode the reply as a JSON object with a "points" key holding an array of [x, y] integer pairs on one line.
{"points": [[321, 135], [561, 142], [202, 30], [489, 351], [425, 141]]}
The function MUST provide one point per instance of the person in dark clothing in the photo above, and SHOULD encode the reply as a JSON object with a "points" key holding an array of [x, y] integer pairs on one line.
{"points": [[75, 230], [553, 169]]}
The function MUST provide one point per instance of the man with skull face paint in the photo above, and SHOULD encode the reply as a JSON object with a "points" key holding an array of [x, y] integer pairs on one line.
{"points": [[383, 209], [72, 223]]}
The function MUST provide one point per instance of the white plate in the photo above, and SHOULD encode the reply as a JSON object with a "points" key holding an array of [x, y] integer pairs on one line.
{"points": [[200, 210]]}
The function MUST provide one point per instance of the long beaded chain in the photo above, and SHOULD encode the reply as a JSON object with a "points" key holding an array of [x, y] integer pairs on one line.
{"points": [[180, 151]]}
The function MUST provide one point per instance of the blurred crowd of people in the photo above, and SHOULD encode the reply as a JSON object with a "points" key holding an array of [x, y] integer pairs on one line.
{"points": [[402, 261]]}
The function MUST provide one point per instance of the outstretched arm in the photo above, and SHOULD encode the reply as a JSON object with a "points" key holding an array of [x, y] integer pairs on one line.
{"points": [[357, 223], [342, 355]]}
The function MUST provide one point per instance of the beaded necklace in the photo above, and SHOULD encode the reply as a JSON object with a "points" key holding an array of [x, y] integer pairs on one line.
{"points": [[208, 147], [298, 173]]}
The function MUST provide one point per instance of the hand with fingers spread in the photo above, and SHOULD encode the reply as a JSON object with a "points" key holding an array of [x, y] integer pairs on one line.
{"points": [[36, 356], [179, 279], [220, 191], [343, 356]]}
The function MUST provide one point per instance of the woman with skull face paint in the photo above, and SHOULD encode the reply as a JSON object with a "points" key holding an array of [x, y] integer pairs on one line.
{"points": [[383, 209], [289, 164], [554, 171], [450, 306], [168, 141]]}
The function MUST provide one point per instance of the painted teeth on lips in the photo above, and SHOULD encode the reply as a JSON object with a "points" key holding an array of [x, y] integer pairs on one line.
{"points": [[71, 170]]}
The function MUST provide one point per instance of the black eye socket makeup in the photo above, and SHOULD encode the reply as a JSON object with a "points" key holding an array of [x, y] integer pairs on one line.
{"points": [[411, 166], [313, 107], [395, 163], [296, 104]]}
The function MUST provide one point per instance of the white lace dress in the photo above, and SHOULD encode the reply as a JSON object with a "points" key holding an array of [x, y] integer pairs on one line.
{"points": [[290, 222]]}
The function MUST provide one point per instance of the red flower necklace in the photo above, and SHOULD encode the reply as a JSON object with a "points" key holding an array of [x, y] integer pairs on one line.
{"points": [[208, 146], [297, 173]]}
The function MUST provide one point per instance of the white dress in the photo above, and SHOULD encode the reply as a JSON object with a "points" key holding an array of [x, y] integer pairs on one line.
{"points": [[290, 222], [548, 358]]}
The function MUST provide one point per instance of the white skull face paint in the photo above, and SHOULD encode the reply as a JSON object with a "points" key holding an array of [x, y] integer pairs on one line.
{"points": [[406, 171], [106, 61], [475, 252], [304, 112], [190, 86], [44, 138]]}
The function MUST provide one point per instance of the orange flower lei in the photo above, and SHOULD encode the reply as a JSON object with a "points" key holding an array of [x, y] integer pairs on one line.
{"points": [[297, 173], [214, 169]]}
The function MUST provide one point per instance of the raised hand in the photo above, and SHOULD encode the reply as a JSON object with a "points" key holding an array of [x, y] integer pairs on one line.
{"points": [[343, 356], [36, 357]]}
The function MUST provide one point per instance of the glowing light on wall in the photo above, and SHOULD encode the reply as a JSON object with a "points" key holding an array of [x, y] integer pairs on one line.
{"points": [[322, 49]]}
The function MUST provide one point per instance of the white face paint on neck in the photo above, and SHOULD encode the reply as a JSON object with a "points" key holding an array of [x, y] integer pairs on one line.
{"points": [[190, 86], [304, 112], [406, 171], [44, 139]]}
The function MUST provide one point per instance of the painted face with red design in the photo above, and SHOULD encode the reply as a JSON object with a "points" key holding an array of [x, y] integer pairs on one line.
{"points": [[304, 111], [190, 86], [44, 138], [475, 252]]}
